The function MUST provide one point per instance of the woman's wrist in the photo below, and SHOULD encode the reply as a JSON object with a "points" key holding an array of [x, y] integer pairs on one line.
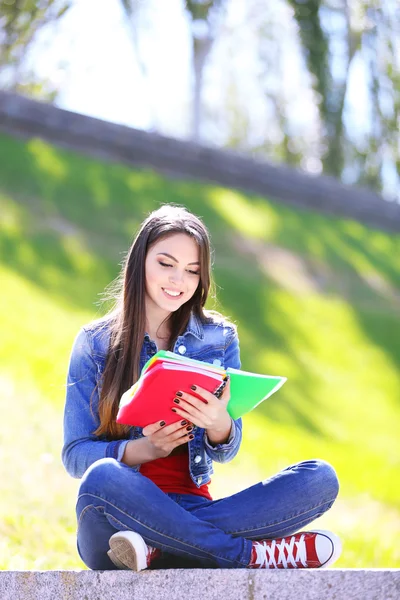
{"points": [[220, 434], [138, 452]]}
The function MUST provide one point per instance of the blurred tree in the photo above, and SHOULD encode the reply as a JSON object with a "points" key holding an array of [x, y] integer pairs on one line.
{"points": [[20, 21], [334, 33], [331, 90], [205, 17], [334, 36], [377, 154]]}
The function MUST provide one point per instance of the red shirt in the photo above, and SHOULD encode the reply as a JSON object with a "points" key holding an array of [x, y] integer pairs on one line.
{"points": [[171, 475]]}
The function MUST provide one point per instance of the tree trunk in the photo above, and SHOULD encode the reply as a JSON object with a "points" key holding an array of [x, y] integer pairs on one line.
{"points": [[201, 50]]}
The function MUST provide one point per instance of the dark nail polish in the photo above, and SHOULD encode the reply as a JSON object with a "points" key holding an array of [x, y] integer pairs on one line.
{"points": [[189, 428], [162, 423], [191, 436], [183, 422], [179, 394], [176, 401], [193, 387], [173, 409]]}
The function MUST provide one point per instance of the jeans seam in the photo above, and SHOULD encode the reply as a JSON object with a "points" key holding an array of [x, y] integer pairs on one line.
{"points": [[212, 556], [84, 511], [284, 520], [126, 527]]}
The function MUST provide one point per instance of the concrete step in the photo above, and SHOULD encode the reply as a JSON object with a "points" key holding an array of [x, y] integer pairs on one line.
{"points": [[202, 584]]}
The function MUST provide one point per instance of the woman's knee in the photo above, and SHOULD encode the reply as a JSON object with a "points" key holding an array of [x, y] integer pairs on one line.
{"points": [[100, 471], [322, 476], [329, 477], [106, 473]]}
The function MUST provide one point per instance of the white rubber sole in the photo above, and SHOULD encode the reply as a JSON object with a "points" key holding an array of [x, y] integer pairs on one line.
{"points": [[337, 546], [129, 550]]}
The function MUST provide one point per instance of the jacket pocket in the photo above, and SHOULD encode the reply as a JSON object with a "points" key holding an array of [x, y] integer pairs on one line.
{"points": [[209, 354]]}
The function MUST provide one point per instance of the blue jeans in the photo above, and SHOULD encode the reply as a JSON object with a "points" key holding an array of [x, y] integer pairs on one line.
{"points": [[191, 530]]}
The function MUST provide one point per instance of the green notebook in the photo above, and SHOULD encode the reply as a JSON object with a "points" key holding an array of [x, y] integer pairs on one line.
{"points": [[248, 389]]}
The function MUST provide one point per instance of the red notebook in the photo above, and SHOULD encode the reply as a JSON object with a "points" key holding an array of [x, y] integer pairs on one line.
{"points": [[162, 380]]}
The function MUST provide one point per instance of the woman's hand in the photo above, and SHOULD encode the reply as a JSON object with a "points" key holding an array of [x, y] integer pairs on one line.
{"points": [[164, 438], [210, 413]]}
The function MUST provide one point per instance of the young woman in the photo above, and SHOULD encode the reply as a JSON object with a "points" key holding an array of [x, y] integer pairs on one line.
{"points": [[143, 499]]}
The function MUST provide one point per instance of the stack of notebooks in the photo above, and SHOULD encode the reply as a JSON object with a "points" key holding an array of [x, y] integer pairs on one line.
{"points": [[151, 398]]}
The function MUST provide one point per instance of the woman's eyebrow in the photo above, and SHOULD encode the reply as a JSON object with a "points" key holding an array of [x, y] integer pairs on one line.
{"points": [[173, 258]]}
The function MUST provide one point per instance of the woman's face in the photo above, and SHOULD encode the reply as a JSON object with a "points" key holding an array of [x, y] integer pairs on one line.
{"points": [[172, 271]]}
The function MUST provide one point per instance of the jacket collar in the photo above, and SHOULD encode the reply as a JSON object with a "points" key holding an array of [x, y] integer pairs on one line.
{"points": [[195, 327]]}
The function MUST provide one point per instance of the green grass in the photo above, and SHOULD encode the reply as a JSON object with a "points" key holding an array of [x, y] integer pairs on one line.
{"points": [[316, 299]]}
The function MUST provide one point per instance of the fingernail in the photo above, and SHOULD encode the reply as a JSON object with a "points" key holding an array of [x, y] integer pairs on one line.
{"points": [[162, 423], [189, 428], [193, 387], [191, 436], [176, 401], [179, 393], [183, 422], [173, 409]]}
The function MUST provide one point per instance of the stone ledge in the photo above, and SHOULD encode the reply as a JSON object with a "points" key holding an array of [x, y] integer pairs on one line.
{"points": [[202, 584]]}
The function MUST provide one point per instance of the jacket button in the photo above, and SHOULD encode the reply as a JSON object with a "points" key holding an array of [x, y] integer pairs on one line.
{"points": [[182, 349], [199, 480], [217, 362], [197, 459]]}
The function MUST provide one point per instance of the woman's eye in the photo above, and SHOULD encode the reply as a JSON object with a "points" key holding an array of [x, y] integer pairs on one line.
{"points": [[188, 270]]}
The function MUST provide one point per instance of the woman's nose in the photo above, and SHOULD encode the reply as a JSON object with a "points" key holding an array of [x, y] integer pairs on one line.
{"points": [[176, 276]]}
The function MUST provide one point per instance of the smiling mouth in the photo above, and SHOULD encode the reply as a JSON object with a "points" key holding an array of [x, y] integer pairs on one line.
{"points": [[172, 293]]}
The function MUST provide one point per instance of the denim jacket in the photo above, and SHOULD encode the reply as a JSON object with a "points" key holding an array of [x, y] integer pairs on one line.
{"points": [[214, 342]]}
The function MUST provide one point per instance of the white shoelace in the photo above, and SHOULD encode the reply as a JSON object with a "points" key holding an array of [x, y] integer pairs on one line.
{"points": [[266, 553]]}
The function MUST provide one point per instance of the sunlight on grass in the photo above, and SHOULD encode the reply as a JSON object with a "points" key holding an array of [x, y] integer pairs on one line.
{"points": [[47, 160], [98, 185], [316, 248], [81, 260], [347, 376], [254, 219], [11, 215], [354, 461], [37, 523], [37, 335], [66, 221], [362, 252]]}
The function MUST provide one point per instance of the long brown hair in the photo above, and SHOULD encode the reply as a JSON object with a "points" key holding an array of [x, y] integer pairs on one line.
{"points": [[127, 319]]}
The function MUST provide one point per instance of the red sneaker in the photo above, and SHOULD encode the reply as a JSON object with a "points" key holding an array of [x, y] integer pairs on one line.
{"points": [[303, 550], [128, 550]]}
